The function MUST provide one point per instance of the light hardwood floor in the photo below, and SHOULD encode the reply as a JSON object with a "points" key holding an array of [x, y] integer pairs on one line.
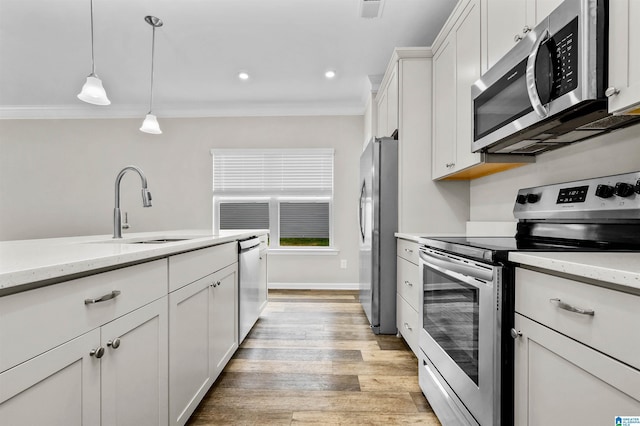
{"points": [[312, 358]]}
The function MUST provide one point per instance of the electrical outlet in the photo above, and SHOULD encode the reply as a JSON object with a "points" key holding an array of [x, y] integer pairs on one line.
{"points": [[343, 263]]}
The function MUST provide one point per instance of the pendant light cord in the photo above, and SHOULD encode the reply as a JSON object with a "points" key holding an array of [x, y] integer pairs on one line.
{"points": [[153, 48], [93, 62]]}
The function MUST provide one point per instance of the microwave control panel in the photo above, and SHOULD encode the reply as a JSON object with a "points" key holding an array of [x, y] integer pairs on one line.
{"points": [[563, 51]]}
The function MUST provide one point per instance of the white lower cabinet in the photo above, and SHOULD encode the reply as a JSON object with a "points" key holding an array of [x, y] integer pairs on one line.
{"points": [[561, 381], [112, 375], [61, 387], [409, 294], [576, 356], [135, 367], [203, 335]]}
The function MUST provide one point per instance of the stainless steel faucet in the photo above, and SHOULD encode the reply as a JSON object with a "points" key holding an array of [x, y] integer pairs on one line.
{"points": [[146, 199]]}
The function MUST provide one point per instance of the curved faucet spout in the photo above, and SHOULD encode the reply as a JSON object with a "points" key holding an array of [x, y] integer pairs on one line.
{"points": [[146, 198]]}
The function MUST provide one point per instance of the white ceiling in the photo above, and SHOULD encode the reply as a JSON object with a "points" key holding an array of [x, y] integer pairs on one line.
{"points": [[285, 46]]}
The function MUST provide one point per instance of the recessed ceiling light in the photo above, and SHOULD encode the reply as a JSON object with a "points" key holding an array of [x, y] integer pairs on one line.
{"points": [[330, 74], [243, 75]]}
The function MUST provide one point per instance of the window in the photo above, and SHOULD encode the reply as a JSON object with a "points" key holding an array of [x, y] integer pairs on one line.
{"points": [[288, 191]]}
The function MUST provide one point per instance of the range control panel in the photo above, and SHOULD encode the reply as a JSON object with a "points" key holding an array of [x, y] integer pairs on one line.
{"points": [[608, 197]]}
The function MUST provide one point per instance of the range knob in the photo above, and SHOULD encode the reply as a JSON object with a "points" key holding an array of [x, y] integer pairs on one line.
{"points": [[637, 188], [532, 198], [624, 189], [604, 191], [521, 198]]}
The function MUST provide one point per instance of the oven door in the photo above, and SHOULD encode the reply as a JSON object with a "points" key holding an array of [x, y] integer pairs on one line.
{"points": [[461, 328]]}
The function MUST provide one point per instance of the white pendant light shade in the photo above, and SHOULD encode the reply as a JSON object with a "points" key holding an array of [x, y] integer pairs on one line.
{"points": [[93, 92], [150, 125]]}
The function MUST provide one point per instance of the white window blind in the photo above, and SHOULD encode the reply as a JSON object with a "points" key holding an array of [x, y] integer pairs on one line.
{"points": [[304, 220], [276, 172]]}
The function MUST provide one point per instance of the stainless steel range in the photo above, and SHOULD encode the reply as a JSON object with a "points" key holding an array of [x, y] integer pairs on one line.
{"points": [[466, 365]]}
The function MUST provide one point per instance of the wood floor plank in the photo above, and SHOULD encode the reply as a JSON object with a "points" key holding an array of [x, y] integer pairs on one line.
{"points": [[366, 346], [289, 381], [389, 355], [283, 366], [204, 417], [298, 354], [351, 418], [375, 368], [370, 383]]}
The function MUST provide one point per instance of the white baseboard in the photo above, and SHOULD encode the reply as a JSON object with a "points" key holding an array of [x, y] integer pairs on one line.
{"points": [[314, 286]]}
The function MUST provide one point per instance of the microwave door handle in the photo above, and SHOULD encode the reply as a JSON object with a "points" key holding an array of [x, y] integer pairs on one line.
{"points": [[532, 89]]}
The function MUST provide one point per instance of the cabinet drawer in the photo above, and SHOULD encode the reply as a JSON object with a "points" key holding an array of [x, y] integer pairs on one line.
{"points": [[37, 320], [408, 323], [408, 286], [613, 327], [408, 250], [188, 267]]}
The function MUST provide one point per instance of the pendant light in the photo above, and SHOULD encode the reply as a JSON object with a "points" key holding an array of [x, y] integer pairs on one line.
{"points": [[92, 92], [150, 123]]}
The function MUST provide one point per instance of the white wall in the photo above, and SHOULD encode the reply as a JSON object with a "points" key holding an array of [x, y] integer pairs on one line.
{"points": [[492, 197], [57, 178]]}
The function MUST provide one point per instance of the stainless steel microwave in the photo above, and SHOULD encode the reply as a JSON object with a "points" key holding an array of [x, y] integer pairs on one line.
{"points": [[549, 89]]}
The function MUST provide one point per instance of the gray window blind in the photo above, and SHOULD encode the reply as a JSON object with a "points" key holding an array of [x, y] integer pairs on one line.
{"points": [[273, 172], [236, 215], [304, 220]]}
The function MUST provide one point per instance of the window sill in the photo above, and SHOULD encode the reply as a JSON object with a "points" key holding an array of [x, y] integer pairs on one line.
{"points": [[329, 251]]}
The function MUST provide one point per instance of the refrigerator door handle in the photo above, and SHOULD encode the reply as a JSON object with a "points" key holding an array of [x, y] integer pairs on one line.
{"points": [[362, 197]]}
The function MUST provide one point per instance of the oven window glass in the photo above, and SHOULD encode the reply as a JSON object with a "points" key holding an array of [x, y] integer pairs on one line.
{"points": [[451, 310], [503, 102]]}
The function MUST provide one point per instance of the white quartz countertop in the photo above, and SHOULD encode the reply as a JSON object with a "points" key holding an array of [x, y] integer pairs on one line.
{"points": [[610, 267], [28, 261]]}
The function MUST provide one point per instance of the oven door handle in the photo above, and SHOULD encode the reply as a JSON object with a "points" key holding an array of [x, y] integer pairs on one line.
{"points": [[445, 264]]}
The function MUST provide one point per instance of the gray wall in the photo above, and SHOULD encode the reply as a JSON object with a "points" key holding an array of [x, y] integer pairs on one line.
{"points": [[57, 178]]}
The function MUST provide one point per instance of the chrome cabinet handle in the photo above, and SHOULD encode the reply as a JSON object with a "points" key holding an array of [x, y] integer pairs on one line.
{"points": [[571, 308], [611, 91], [532, 89], [515, 333], [98, 352], [115, 343], [216, 284], [517, 38], [408, 327], [449, 165], [108, 296], [526, 29], [408, 250], [409, 283]]}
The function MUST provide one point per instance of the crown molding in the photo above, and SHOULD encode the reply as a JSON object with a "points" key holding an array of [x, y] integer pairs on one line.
{"points": [[182, 111]]}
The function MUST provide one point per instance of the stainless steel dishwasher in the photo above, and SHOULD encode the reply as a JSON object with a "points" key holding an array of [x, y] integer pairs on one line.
{"points": [[252, 289]]}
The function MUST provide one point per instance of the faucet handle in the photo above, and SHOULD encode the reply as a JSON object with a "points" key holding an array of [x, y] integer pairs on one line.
{"points": [[125, 224]]}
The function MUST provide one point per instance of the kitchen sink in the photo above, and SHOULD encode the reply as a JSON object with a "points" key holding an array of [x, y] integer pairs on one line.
{"points": [[151, 240]]}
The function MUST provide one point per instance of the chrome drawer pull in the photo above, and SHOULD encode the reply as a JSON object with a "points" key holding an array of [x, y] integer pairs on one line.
{"points": [[108, 296], [408, 327], [408, 283], [408, 250], [571, 308]]}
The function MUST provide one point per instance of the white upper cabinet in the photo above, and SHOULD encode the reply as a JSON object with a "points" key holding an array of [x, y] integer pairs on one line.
{"points": [[507, 23], [624, 56], [387, 99]]}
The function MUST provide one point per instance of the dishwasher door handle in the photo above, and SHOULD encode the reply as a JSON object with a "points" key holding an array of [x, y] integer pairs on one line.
{"points": [[249, 243]]}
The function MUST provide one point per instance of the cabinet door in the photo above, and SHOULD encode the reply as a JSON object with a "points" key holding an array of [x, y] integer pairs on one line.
{"points": [[224, 317], [467, 71], [624, 55], [543, 8], [444, 120], [382, 114], [59, 387], [263, 289], [392, 103], [505, 20], [135, 367], [591, 387], [190, 372]]}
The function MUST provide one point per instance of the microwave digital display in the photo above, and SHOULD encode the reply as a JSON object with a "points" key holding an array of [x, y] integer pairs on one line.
{"points": [[577, 194]]}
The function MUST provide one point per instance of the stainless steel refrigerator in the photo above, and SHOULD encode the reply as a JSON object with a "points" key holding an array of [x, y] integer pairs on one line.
{"points": [[378, 216]]}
